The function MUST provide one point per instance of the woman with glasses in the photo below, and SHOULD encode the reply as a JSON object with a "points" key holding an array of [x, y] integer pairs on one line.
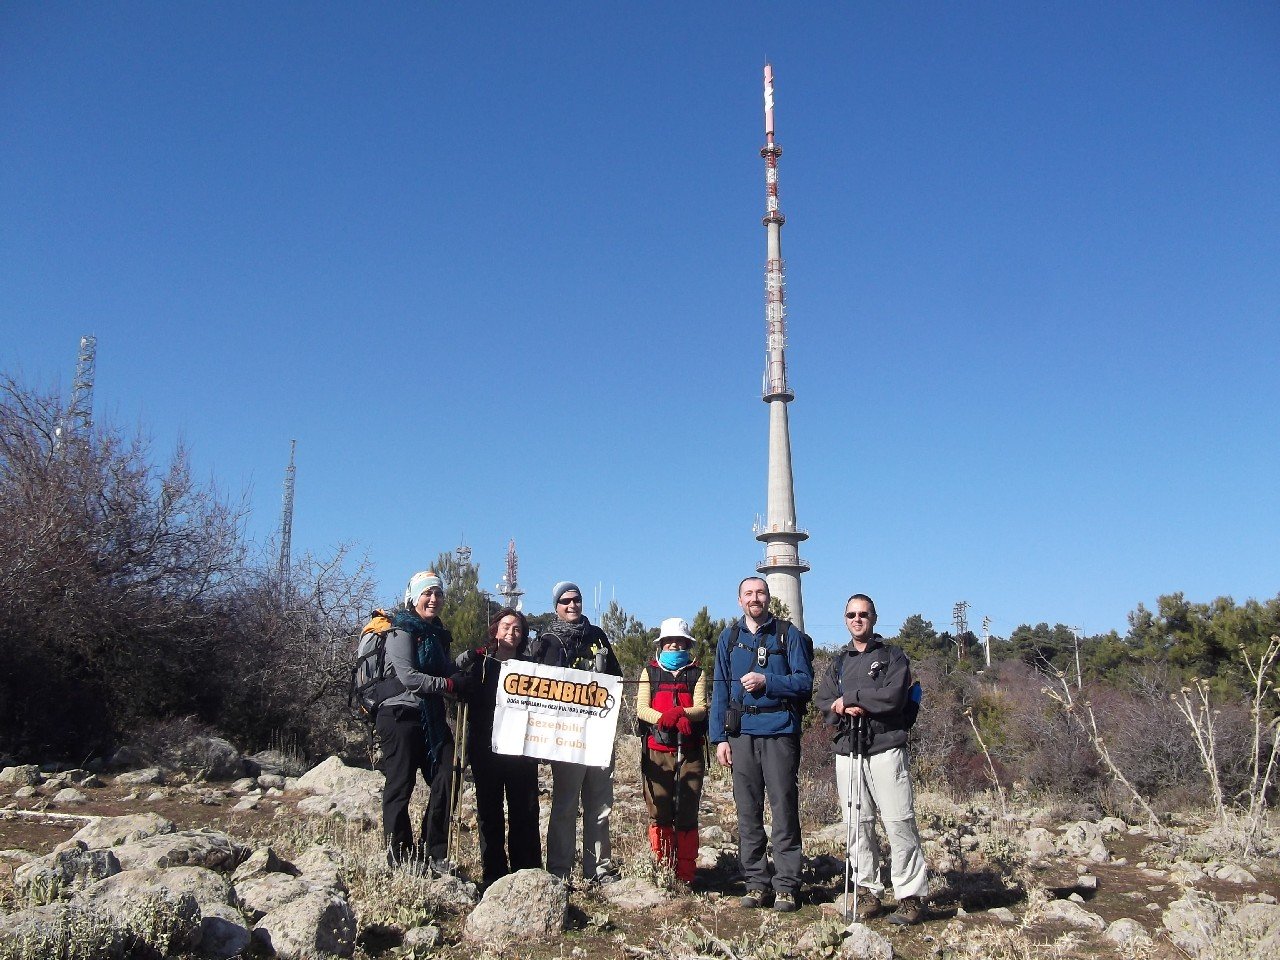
{"points": [[509, 843], [571, 640]]}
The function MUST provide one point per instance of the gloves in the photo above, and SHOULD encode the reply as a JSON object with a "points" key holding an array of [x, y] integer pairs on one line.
{"points": [[684, 726], [670, 717], [460, 685]]}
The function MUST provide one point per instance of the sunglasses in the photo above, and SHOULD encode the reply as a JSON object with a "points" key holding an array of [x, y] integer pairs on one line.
{"points": [[568, 600], [858, 615]]}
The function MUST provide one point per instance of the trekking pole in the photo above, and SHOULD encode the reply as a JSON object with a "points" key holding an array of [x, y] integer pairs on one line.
{"points": [[675, 800], [856, 757], [455, 788]]}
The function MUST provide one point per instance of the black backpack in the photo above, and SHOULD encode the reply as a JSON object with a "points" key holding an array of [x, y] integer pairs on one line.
{"points": [[688, 680], [915, 693], [801, 703], [372, 680]]}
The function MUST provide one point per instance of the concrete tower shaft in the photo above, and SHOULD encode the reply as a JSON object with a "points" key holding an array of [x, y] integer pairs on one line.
{"points": [[779, 533]]}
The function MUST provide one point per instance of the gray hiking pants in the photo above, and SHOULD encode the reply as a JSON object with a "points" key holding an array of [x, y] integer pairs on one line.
{"points": [[768, 765], [886, 787], [574, 784]]}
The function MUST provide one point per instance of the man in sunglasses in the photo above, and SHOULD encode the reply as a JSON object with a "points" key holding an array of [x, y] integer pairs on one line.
{"points": [[572, 640], [867, 693], [763, 678]]}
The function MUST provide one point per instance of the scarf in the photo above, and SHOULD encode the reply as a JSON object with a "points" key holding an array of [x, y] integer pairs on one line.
{"points": [[431, 656]]}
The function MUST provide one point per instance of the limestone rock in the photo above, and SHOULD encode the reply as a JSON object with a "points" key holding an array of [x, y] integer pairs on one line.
{"points": [[334, 776], [207, 888], [1232, 873], [321, 867], [223, 934], [273, 762], [863, 943], [244, 785], [50, 931], [26, 792], [633, 893], [112, 831], [1254, 920], [271, 781], [1127, 932], [1073, 914], [23, 775], [1082, 836], [265, 892], [310, 925], [134, 778], [263, 860], [69, 795], [1192, 924], [197, 848], [1039, 842], [209, 758], [1003, 914], [527, 904], [57, 874], [423, 938], [144, 904]]}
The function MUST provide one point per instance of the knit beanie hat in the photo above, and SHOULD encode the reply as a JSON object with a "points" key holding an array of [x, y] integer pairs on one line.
{"points": [[419, 584], [563, 587]]}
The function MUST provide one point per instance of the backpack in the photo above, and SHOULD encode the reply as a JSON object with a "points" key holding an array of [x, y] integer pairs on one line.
{"points": [[372, 680], [915, 692], [688, 680], [801, 704]]}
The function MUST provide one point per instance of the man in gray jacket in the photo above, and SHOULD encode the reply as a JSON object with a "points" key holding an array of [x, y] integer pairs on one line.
{"points": [[412, 726], [867, 691]]}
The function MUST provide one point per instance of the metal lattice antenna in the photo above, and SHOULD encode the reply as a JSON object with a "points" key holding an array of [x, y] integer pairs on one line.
{"points": [[509, 585], [960, 621], [286, 523], [81, 413]]}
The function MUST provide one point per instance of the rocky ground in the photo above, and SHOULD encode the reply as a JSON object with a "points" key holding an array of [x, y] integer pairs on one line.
{"points": [[219, 855]]}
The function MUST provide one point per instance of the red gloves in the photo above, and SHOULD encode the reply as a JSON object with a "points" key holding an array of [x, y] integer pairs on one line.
{"points": [[671, 716], [685, 726]]}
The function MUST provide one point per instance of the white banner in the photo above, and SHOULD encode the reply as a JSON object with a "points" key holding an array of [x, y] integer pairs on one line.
{"points": [[555, 713]]}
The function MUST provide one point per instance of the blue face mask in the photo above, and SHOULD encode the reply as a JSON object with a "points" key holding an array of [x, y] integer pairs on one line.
{"points": [[674, 659]]}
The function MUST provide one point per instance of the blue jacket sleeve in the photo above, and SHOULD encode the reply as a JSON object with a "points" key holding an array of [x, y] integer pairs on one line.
{"points": [[798, 684], [720, 680]]}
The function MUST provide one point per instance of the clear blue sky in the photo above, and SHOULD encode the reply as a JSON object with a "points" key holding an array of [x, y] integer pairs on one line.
{"points": [[499, 269]]}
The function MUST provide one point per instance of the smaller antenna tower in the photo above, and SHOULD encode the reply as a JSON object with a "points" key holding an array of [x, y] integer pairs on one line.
{"points": [[961, 623], [509, 585], [463, 553], [78, 420], [986, 638], [286, 523]]}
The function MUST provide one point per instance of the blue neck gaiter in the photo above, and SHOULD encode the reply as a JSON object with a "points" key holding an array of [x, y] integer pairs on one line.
{"points": [[673, 659]]}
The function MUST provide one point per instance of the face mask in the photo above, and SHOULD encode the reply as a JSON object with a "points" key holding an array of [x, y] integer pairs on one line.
{"points": [[674, 659]]}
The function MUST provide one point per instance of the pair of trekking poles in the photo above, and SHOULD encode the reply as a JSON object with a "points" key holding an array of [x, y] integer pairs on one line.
{"points": [[456, 782], [853, 821]]}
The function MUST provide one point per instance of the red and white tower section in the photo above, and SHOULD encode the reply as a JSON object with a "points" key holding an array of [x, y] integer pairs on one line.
{"points": [[778, 532]]}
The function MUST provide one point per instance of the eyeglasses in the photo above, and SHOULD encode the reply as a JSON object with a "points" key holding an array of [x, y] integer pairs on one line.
{"points": [[858, 615], [568, 600]]}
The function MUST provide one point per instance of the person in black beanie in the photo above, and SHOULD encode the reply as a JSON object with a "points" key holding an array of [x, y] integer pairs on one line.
{"points": [[572, 640], [514, 836]]}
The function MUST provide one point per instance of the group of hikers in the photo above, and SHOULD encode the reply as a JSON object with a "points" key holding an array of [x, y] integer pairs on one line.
{"points": [[761, 683]]}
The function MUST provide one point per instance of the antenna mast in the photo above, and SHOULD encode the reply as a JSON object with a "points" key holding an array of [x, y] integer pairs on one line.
{"points": [[781, 537], [78, 420], [286, 524], [509, 585]]}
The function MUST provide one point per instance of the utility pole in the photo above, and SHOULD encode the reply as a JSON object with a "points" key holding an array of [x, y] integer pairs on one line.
{"points": [[986, 638], [961, 624]]}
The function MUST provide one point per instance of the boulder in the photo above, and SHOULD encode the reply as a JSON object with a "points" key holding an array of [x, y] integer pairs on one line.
{"points": [[1039, 842], [633, 893], [863, 943], [134, 778], [206, 888], [61, 929], [69, 795], [195, 848], [1072, 913], [1254, 921], [354, 805], [423, 938], [54, 876], [1128, 933], [312, 924], [1081, 836], [112, 831], [1192, 924], [264, 892], [223, 933], [263, 860], [209, 758], [527, 904], [23, 775], [272, 762], [321, 867], [271, 781], [143, 903], [334, 776]]}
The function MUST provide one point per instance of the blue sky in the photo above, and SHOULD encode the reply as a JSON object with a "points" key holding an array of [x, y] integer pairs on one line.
{"points": [[499, 269]]}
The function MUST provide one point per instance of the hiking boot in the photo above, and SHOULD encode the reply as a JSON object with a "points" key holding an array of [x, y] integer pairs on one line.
{"points": [[754, 899], [910, 910], [869, 905], [785, 903], [606, 877]]}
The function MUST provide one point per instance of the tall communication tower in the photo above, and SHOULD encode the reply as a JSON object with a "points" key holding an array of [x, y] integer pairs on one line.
{"points": [[78, 420], [509, 585], [781, 537], [286, 522], [463, 553]]}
